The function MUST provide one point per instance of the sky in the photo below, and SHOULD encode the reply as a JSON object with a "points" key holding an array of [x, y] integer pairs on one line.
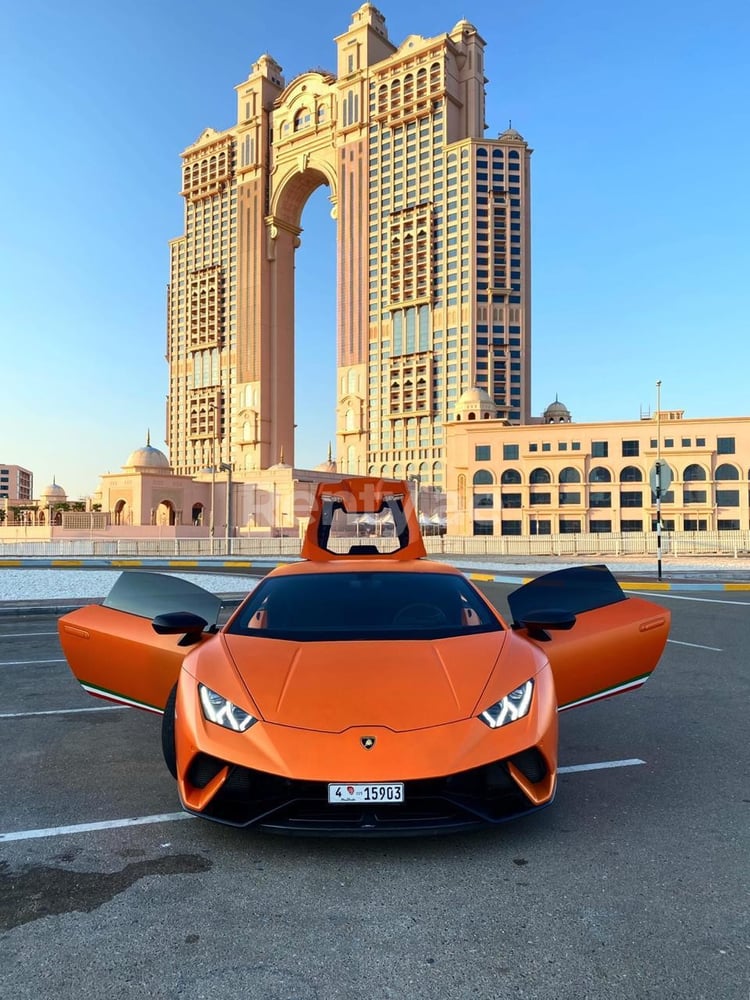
{"points": [[638, 116]]}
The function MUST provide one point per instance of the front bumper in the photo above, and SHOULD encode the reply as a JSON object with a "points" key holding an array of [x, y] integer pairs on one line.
{"points": [[490, 794]]}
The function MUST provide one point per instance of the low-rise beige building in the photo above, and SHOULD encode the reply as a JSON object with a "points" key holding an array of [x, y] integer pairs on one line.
{"points": [[555, 476]]}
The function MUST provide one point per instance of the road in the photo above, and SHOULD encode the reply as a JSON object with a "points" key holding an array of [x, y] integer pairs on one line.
{"points": [[633, 884]]}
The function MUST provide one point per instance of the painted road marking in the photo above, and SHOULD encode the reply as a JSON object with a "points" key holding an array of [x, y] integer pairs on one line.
{"points": [[108, 824], [62, 711], [601, 766], [29, 663], [699, 600], [25, 635], [694, 645], [113, 824]]}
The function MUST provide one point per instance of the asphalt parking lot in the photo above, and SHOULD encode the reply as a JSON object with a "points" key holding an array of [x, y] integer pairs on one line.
{"points": [[633, 884]]}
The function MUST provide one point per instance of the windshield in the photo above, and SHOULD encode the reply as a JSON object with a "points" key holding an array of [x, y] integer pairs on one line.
{"points": [[364, 605]]}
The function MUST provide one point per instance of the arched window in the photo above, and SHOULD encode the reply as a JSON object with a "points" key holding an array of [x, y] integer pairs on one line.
{"points": [[510, 477], [694, 474], [600, 475], [631, 474], [301, 119], [727, 471], [349, 420], [539, 476], [483, 477], [569, 475]]}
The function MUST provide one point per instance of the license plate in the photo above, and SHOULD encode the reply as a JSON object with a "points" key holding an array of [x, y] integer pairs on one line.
{"points": [[391, 791]]}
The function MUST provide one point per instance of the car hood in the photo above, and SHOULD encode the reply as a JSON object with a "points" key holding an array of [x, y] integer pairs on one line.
{"points": [[332, 686]]}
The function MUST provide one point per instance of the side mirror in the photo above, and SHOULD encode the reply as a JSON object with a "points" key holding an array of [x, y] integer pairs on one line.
{"points": [[537, 622], [184, 623]]}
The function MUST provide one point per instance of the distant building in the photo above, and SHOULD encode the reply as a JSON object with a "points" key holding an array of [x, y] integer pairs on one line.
{"points": [[432, 219], [16, 483], [559, 477]]}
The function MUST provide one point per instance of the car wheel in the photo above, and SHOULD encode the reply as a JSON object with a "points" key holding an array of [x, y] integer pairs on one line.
{"points": [[168, 746]]}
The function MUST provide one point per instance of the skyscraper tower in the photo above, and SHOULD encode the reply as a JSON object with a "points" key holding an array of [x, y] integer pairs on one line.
{"points": [[433, 268]]}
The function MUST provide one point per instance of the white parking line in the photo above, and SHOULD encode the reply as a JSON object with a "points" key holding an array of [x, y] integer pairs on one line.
{"points": [[682, 597], [29, 663], [62, 711], [62, 831], [695, 645], [24, 635], [602, 765], [110, 824]]}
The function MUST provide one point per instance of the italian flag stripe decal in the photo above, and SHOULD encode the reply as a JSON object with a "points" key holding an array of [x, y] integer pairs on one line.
{"points": [[631, 685], [119, 698]]}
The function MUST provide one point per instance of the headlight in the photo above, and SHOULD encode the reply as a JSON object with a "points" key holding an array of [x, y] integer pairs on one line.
{"points": [[223, 712], [513, 706]]}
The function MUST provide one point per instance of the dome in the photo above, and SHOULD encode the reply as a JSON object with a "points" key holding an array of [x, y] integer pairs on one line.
{"points": [[475, 404], [511, 135], [53, 492], [329, 465], [475, 395], [147, 458], [463, 25], [557, 413]]}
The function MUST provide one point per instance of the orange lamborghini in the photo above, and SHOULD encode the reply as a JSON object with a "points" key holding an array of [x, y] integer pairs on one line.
{"points": [[367, 691]]}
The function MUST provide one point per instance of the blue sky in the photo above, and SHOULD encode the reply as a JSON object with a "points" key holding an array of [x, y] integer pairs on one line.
{"points": [[638, 115]]}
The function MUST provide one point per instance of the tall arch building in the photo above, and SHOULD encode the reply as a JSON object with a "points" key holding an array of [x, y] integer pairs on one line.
{"points": [[433, 257]]}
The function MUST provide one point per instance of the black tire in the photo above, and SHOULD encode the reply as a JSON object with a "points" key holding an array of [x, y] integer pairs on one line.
{"points": [[168, 746]]}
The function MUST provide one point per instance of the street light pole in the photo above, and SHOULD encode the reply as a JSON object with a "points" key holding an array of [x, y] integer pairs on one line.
{"points": [[224, 467], [658, 480], [212, 520]]}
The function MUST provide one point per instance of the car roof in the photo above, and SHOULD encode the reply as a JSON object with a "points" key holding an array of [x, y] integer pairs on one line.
{"points": [[369, 564]]}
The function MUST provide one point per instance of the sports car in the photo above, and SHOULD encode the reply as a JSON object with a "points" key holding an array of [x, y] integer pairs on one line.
{"points": [[364, 689]]}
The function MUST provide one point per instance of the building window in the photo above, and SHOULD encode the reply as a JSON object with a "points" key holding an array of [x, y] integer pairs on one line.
{"points": [[600, 527], [484, 528], [666, 524], [695, 524], [693, 496], [600, 475], [725, 445], [483, 500], [730, 524], [570, 526], [540, 527], [539, 477], [510, 452], [483, 477], [600, 498], [510, 528], [724, 472], [539, 498], [511, 500], [569, 497], [727, 498], [510, 477], [631, 498], [482, 453], [631, 474], [633, 525], [694, 474], [569, 475], [630, 449], [599, 449]]}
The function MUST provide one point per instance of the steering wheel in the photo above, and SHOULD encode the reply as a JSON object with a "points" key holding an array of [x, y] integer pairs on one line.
{"points": [[420, 615]]}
